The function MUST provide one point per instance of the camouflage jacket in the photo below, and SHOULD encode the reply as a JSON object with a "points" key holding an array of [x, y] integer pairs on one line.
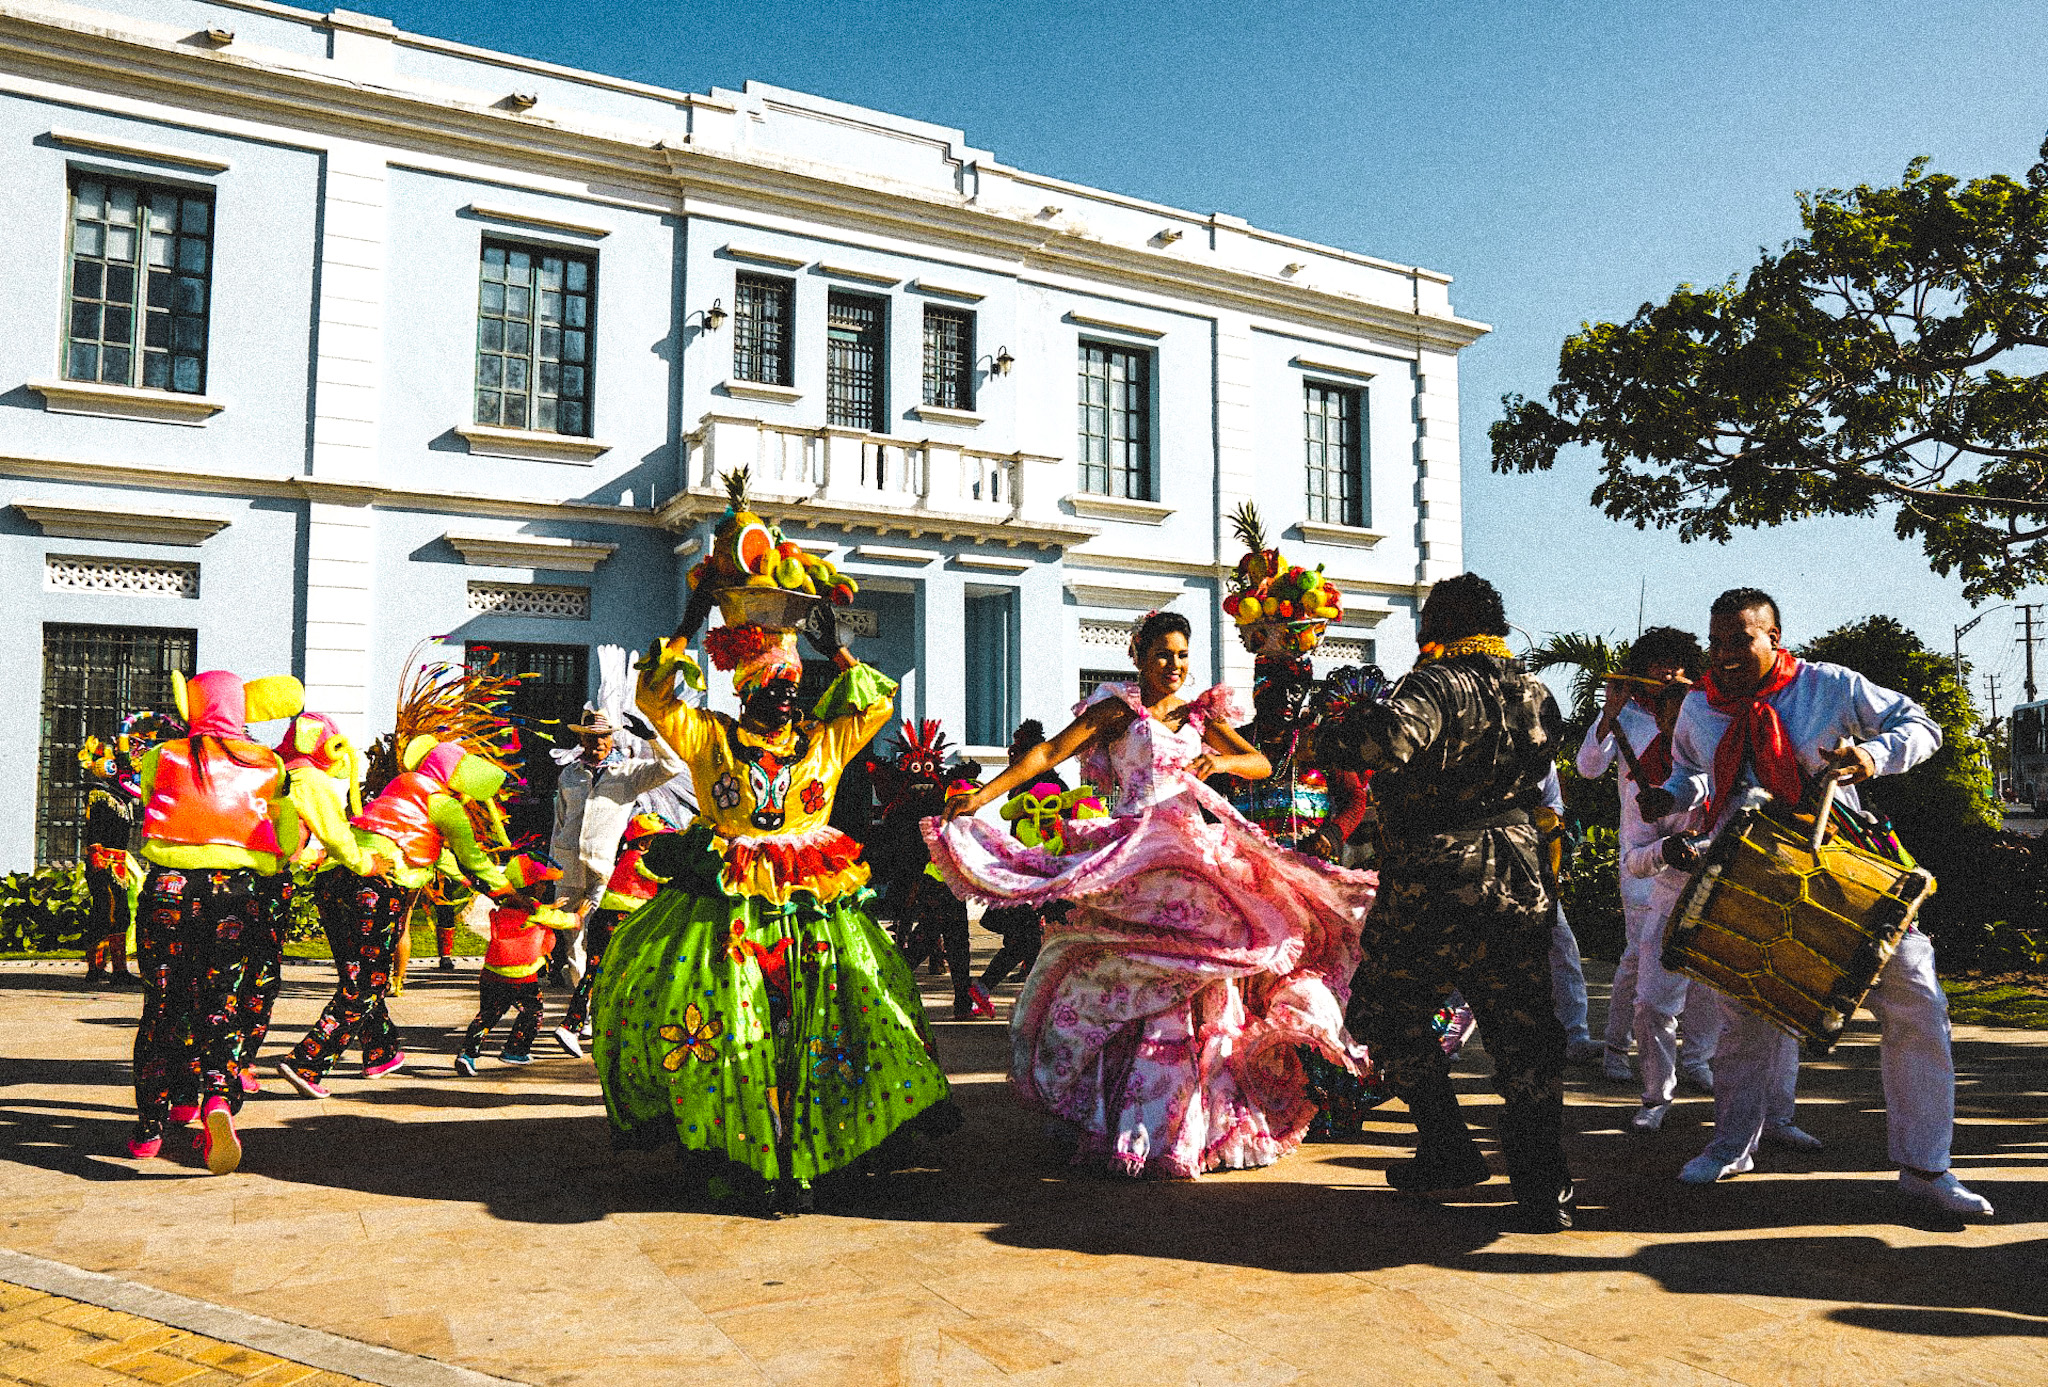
{"points": [[1456, 744]]}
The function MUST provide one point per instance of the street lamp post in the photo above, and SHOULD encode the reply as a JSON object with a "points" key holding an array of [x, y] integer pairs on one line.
{"points": [[1964, 630]]}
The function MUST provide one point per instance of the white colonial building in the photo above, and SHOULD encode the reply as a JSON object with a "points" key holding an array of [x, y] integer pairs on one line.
{"points": [[324, 339]]}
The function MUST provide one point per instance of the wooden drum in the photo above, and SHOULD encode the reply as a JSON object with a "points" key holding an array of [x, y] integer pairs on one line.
{"points": [[1796, 935]]}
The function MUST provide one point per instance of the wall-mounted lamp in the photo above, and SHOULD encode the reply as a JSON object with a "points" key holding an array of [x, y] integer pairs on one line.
{"points": [[1169, 235], [1051, 209], [1004, 361], [523, 101], [714, 316], [220, 38], [1293, 268]]}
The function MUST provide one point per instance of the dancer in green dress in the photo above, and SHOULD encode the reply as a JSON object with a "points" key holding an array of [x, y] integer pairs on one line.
{"points": [[754, 1011]]}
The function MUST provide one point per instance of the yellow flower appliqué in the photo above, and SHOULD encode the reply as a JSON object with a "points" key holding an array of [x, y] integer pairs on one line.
{"points": [[696, 1038]]}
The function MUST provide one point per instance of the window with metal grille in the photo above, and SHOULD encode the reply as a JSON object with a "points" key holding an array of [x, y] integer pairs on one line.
{"points": [[1116, 421], [949, 358], [992, 667], [1093, 679], [92, 677], [543, 707], [534, 317], [761, 338], [141, 277], [853, 361], [1336, 455]]}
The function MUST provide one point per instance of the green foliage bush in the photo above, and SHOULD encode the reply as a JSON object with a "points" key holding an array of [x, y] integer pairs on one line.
{"points": [[1591, 887], [48, 908]]}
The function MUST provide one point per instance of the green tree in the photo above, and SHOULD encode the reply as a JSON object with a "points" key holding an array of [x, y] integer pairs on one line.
{"points": [[1588, 658], [1881, 361], [1949, 796]]}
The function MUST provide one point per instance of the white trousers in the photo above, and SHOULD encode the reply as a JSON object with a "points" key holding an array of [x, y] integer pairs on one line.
{"points": [[1757, 1066], [1568, 981], [1660, 1005]]}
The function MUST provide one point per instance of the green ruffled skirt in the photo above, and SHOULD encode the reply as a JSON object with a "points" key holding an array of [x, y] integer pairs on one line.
{"points": [[793, 1070]]}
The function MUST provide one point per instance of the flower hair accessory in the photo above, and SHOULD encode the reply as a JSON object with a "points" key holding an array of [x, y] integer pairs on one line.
{"points": [[1131, 646]]}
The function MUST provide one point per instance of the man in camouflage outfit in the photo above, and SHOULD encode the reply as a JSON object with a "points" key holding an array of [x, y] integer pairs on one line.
{"points": [[1461, 747]]}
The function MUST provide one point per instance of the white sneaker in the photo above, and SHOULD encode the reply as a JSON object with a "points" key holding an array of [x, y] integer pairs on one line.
{"points": [[1649, 1117], [1707, 1168], [1946, 1193], [568, 1040], [1697, 1077], [1792, 1138], [1614, 1064]]}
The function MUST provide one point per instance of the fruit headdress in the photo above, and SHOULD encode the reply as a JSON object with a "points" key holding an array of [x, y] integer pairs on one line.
{"points": [[1280, 608], [749, 553]]}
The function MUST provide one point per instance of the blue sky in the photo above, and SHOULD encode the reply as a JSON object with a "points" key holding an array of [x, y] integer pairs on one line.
{"points": [[1563, 161]]}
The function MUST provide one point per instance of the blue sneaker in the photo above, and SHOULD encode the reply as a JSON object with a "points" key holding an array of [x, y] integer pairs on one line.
{"points": [[465, 1065], [520, 1058]]}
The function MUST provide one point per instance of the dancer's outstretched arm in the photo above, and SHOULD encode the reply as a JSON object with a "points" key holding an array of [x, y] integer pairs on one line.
{"points": [[1107, 716]]}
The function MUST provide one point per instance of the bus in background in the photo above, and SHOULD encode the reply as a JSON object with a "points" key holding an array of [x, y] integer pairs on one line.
{"points": [[2029, 751]]}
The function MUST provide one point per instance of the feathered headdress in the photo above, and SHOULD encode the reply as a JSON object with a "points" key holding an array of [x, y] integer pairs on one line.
{"points": [[922, 750], [465, 705]]}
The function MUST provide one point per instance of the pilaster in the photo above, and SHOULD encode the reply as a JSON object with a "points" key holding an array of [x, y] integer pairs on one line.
{"points": [[348, 371], [1440, 526]]}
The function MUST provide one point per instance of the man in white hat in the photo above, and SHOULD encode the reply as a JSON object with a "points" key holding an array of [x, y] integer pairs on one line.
{"points": [[593, 803]]}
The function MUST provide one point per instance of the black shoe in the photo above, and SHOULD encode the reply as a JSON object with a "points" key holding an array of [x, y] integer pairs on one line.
{"points": [[1557, 1212], [447, 964], [1453, 1168]]}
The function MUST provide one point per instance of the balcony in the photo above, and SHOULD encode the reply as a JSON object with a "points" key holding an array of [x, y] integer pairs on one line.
{"points": [[856, 480]]}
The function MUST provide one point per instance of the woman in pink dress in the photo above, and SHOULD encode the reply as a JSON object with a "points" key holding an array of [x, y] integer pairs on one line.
{"points": [[1162, 1017]]}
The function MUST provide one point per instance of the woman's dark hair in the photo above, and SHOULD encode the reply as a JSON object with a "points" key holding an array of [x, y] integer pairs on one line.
{"points": [[1665, 645], [1463, 605], [1157, 625], [1030, 730]]}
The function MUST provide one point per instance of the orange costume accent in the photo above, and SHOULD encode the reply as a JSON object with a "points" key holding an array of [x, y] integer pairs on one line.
{"points": [[400, 813], [229, 807]]}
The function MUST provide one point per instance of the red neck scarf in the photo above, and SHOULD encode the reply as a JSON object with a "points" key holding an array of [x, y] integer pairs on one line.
{"points": [[1756, 734], [1654, 759]]}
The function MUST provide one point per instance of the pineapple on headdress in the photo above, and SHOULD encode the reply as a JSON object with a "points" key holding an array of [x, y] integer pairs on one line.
{"points": [[1280, 608]]}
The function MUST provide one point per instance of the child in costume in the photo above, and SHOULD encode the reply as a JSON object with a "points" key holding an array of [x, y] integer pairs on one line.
{"points": [[112, 875], [418, 826], [931, 923], [629, 888], [1038, 817], [522, 931], [216, 821], [754, 1011], [1162, 1017]]}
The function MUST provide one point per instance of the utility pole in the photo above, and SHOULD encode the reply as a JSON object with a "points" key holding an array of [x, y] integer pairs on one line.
{"points": [[2027, 610], [1961, 631], [1992, 680]]}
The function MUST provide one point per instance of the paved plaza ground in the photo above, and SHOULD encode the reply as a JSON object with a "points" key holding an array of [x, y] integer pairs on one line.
{"points": [[487, 1225]]}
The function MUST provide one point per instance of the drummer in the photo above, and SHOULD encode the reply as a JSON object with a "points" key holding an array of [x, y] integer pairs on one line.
{"points": [[1763, 718]]}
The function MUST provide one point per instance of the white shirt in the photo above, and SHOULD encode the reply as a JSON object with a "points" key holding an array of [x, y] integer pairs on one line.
{"points": [[1823, 704], [591, 814], [1641, 840]]}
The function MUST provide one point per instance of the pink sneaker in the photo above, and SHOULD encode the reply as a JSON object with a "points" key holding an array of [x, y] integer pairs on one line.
{"points": [[306, 1084], [223, 1146], [142, 1148], [182, 1114], [378, 1071], [250, 1083], [984, 1005]]}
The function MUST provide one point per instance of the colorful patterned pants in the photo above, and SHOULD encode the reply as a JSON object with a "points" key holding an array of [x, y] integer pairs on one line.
{"points": [[1474, 917], [597, 932], [498, 995], [361, 917], [265, 975], [200, 936]]}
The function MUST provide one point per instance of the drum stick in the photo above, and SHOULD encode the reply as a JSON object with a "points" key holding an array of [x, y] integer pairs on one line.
{"points": [[1826, 811]]}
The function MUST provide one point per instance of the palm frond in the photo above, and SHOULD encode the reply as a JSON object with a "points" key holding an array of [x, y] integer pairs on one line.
{"points": [[1589, 658]]}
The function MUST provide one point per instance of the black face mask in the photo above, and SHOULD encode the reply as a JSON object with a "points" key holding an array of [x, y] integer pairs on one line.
{"points": [[773, 705]]}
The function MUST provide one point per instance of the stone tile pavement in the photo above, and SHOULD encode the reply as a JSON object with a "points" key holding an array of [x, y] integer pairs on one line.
{"points": [[54, 1342], [488, 1224]]}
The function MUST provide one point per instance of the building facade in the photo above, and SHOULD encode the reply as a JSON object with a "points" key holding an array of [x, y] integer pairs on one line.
{"points": [[329, 340]]}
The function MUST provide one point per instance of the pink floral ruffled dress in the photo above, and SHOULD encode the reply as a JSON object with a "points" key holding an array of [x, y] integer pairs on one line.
{"points": [[1163, 1014]]}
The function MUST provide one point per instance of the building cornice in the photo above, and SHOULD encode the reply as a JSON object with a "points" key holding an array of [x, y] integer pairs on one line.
{"points": [[530, 551], [71, 520], [200, 481], [329, 106]]}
